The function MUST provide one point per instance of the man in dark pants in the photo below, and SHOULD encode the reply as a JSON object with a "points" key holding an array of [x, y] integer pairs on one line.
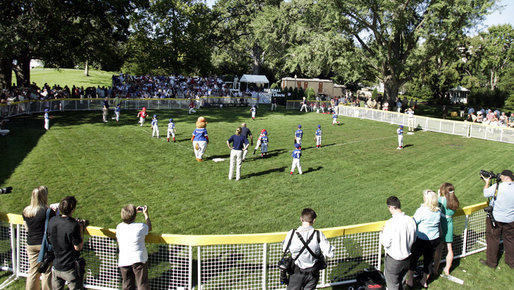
{"points": [[503, 213], [306, 272], [66, 236], [397, 238], [248, 135]]}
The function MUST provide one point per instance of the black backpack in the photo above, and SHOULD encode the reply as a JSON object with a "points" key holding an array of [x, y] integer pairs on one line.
{"points": [[371, 279]]}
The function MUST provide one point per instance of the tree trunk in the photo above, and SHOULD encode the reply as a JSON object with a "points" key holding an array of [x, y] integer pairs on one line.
{"points": [[5, 73], [391, 88], [22, 69], [256, 56], [86, 69]]}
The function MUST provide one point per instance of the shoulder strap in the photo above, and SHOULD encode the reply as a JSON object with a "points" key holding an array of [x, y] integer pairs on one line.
{"points": [[289, 243], [306, 244]]}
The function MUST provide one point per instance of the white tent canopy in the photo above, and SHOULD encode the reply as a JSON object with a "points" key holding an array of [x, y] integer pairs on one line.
{"points": [[257, 79], [459, 89], [459, 95]]}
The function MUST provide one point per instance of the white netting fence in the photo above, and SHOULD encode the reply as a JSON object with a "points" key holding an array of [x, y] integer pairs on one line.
{"points": [[233, 266]]}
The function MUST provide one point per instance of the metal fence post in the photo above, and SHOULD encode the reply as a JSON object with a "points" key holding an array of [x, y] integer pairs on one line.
{"points": [[379, 251], [199, 260], [190, 279], [465, 236], [264, 266]]}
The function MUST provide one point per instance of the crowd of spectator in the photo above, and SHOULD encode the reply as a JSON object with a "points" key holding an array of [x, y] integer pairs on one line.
{"points": [[490, 117]]}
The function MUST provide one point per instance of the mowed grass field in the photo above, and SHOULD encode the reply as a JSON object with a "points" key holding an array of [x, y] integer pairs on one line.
{"points": [[347, 181]]}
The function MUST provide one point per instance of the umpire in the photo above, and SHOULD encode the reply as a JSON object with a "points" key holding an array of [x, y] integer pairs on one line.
{"points": [[307, 246], [503, 213]]}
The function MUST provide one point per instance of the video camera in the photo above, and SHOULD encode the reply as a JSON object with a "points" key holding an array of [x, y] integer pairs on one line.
{"points": [[489, 174], [82, 222], [6, 190]]}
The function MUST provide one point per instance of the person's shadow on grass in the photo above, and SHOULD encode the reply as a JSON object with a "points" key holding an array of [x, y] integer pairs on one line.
{"points": [[279, 169]]}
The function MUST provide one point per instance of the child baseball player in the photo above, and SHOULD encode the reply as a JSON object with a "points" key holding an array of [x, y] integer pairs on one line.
{"points": [[171, 130], [318, 137], [117, 112], [259, 140], [298, 134], [142, 115], [264, 144], [334, 118], [47, 120], [155, 127], [254, 111], [399, 131], [297, 153], [191, 107]]}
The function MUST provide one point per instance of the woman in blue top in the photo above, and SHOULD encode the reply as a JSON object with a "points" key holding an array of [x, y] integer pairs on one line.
{"points": [[448, 203], [428, 219]]}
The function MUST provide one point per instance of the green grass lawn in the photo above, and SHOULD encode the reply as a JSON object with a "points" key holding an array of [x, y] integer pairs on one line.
{"points": [[347, 181], [69, 77]]}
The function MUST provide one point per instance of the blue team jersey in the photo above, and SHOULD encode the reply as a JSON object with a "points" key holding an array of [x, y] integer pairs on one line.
{"points": [[298, 133], [399, 131], [334, 116], [200, 134], [118, 109], [297, 153], [171, 126], [318, 132], [264, 140], [154, 122], [47, 116]]}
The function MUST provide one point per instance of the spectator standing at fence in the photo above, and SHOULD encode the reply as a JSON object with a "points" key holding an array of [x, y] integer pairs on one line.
{"points": [[410, 119], [245, 131], [47, 120], [34, 216], [66, 235], [306, 265], [503, 212], [428, 220], [397, 237], [448, 203], [239, 144], [105, 110], [142, 116], [155, 127], [133, 255], [273, 104]]}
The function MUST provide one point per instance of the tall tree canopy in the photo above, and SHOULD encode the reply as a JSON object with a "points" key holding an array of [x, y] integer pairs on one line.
{"points": [[398, 38]]}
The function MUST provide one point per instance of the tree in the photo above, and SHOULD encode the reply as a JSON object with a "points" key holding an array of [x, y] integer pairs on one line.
{"points": [[398, 38]]}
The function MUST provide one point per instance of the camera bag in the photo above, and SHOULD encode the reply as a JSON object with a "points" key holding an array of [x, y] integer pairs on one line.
{"points": [[287, 262]]}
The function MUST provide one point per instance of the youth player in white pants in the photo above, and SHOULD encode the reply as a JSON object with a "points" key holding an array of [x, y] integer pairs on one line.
{"points": [[297, 153], [254, 111], [155, 127], [298, 134], [263, 132], [47, 120], [117, 112], [142, 115], [399, 131], [171, 130], [318, 137]]}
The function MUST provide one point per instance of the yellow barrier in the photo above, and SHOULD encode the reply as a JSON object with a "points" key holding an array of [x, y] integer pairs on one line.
{"points": [[204, 240]]}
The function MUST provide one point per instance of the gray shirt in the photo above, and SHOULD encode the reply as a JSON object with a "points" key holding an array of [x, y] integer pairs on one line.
{"points": [[503, 210], [306, 260]]}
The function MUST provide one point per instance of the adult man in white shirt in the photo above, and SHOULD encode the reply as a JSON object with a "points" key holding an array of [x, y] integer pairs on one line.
{"points": [[306, 271], [397, 238]]}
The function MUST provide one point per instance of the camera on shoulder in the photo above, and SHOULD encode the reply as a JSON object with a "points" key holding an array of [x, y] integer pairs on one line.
{"points": [[489, 174]]}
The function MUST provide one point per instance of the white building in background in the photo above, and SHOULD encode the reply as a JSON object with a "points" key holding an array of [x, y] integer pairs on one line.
{"points": [[36, 63]]}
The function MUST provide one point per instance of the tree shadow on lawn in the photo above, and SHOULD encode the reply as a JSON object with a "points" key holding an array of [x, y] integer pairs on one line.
{"points": [[24, 136]]}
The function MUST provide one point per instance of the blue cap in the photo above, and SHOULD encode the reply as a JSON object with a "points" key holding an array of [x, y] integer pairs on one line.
{"points": [[299, 126], [265, 133], [319, 126], [171, 120], [296, 145], [401, 126], [46, 110], [155, 116]]}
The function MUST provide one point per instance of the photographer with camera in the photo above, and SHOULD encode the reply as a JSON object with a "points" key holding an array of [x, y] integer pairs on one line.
{"points": [[308, 248], [66, 234], [500, 217], [131, 243]]}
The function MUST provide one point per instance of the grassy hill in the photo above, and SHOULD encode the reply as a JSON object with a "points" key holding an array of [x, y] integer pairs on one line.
{"points": [[69, 77]]}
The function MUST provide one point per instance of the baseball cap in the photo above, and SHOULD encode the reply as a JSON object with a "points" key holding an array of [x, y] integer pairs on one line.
{"points": [[155, 116], [46, 110], [401, 126], [296, 145], [171, 120], [263, 130], [319, 126], [508, 173], [299, 126]]}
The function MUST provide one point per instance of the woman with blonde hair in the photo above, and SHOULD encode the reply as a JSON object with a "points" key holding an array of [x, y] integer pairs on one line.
{"points": [[428, 219], [448, 203], [34, 216]]}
